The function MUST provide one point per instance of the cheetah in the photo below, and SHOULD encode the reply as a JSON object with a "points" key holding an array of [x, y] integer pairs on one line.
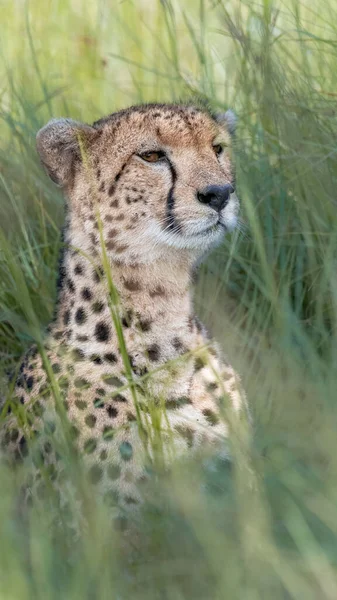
{"points": [[126, 363]]}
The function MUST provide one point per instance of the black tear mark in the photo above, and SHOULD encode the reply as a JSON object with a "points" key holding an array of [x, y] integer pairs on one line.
{"points": [[171, 222]]}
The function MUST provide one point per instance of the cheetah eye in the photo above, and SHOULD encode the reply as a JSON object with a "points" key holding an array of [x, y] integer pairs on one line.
{"points": [[152, 157], [218, 149]]}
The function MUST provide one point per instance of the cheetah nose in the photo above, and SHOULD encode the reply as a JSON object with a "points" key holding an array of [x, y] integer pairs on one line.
{"points": [[216, 196]]}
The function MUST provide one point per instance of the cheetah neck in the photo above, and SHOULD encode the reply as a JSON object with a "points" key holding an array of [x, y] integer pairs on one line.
{"points": [[154, 298]]}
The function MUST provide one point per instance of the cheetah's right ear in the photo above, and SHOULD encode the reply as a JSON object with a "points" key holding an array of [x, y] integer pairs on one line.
{"points": [[228, 119], [60, 144]]}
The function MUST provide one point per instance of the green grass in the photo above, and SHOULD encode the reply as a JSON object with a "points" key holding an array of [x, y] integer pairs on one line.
{"points": [[269, 293]]}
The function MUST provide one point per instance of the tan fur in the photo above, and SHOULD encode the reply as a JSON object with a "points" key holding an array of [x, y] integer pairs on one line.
{"points": [[115, 196]]}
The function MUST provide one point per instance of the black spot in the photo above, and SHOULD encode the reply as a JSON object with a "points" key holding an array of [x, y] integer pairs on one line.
{"points": [[37, 409], [144, 325], [44, 391], [63, 382], [110, 245], [90, 446], [95, 474], [47, 447], [102, 332], [199, 364], [82, 338], [112, 412], [130, 500], [14, 435], [141, 371], [100, 391], [131, 361], [212, 386], [111, 498], [186, 433], [127, 319], [82, 383], [86, 294], [29, 383], [126, 451], [66, 317], [108, 433], [153, 352], [90, 420], [98, 274], [77, 354], [97, 307], [120, 249], [56, 368], [110, 357], [78, 270], [114, 472], [198, 325], [119, 398], [132, 285], [158, 291], [211, 417], [95, 358], [23, 447], [80, 316], [99, 403], [111, 380], [125, 322], [33, 352], [20, 381], [173, 403], [70, 285], [177, 344], [81, 404], [111, 189]]}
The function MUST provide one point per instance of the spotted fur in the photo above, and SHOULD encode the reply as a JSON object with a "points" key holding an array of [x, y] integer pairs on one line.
{"points": [[145, 220]]}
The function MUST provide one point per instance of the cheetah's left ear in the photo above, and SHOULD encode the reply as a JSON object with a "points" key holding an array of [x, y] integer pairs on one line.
{"points": [[228, 119]]}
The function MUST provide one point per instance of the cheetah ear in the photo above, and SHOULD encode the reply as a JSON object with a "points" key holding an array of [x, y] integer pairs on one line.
{"points": [[228, 119], [60, 144]]}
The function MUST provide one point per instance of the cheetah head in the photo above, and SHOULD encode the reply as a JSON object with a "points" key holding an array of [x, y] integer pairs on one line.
{"points": [[158, 176]]}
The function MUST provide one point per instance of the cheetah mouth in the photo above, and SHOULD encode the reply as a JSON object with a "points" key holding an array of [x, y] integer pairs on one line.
{"points": [[215, 228]]}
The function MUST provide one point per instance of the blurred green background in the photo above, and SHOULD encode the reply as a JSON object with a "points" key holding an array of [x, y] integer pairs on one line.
{"points": [[269, 294]]}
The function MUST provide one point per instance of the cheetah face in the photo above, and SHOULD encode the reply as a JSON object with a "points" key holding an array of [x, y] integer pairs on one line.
{"points": [[159, 176]]}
